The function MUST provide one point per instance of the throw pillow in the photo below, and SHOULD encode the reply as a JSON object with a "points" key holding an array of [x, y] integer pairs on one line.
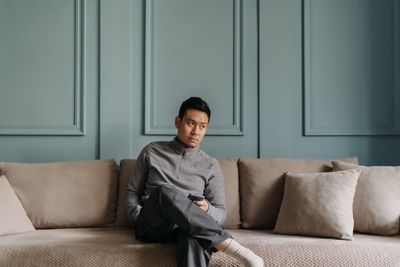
{"points": [[13, 219], [318, 204], [377, 200]]}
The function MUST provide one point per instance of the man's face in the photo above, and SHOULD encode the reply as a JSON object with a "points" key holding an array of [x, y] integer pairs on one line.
{"points": [[192, 127]]}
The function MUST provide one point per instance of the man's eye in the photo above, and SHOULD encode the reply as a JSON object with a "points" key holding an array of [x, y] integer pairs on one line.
{"points": [[202, 127]]}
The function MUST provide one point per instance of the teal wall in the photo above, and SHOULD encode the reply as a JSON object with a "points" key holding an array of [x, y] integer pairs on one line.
{"points": [[329, 79], [49, 97], [86, 79]]}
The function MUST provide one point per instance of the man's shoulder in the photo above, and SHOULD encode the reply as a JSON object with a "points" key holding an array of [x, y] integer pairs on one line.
{"points": [[156, 145]]}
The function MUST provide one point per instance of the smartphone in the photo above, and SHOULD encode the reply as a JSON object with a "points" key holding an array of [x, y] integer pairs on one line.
{"points": [[194, 197]]}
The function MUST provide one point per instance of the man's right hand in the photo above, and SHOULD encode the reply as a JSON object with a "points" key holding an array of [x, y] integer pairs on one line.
{"points": [[202, 204]]}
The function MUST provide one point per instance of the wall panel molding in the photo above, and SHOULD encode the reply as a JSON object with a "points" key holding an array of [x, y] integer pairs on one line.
{"points": [[79, 87], [151, 126], [366, 75]]}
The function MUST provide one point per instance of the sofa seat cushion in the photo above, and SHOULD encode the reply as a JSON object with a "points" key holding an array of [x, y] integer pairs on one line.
{"points": [[117, 247], [88, 247], [82, 247], [285, 250]]}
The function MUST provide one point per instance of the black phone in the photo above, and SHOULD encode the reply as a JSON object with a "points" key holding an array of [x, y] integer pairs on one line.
{"points": [[194, 197]]}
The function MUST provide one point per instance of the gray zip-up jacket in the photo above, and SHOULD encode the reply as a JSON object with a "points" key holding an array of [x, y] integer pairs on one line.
{"points": [[188, 169]]}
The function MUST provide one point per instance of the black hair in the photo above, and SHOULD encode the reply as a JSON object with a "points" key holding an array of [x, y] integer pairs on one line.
{"points": [[194, 103]]}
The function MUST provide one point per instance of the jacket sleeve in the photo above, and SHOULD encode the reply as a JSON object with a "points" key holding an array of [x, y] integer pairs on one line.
{"points": [[135, 189], [215, 194]]}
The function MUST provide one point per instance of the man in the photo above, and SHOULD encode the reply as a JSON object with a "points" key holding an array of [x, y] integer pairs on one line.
{"points": [[160, 194]]}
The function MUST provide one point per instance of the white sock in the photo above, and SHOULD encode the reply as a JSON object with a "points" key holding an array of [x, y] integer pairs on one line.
{"points": [[244, 255]]}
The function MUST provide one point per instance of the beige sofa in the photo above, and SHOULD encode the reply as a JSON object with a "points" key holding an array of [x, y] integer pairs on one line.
{"points": [[78, 211]]}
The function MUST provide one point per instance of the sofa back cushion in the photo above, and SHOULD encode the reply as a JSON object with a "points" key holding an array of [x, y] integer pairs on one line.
{"points": [[232, 197], [65, 194], [262, 185], [230, 171], [126, 167]]}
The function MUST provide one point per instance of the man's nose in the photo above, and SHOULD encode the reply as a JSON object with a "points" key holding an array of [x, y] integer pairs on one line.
{"points": [[196, 129]]}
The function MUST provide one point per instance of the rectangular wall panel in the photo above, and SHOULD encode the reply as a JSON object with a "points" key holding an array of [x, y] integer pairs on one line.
{"points": [[193, 48], [282, 102], [351, 67], [42, 81], [49, 80]]}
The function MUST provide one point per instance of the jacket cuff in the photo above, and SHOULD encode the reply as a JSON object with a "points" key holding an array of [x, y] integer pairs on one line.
{"points": [[136, 213], [213, 212]]}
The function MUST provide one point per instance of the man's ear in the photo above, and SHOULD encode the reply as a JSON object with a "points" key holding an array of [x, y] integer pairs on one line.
{"points": [[178, 122]]}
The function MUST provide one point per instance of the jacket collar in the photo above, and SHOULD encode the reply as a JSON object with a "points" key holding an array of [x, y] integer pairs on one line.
{"points": [[182, 149]]}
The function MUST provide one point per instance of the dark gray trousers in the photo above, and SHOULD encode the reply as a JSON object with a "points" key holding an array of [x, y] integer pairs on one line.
{"points": [[169, 216]]}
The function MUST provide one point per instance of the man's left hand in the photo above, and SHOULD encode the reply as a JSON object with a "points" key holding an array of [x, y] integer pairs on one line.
{"points": [[202, 204]]}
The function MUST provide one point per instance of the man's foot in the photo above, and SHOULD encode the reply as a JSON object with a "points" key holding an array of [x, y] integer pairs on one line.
{"points": [[244, 255]]}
